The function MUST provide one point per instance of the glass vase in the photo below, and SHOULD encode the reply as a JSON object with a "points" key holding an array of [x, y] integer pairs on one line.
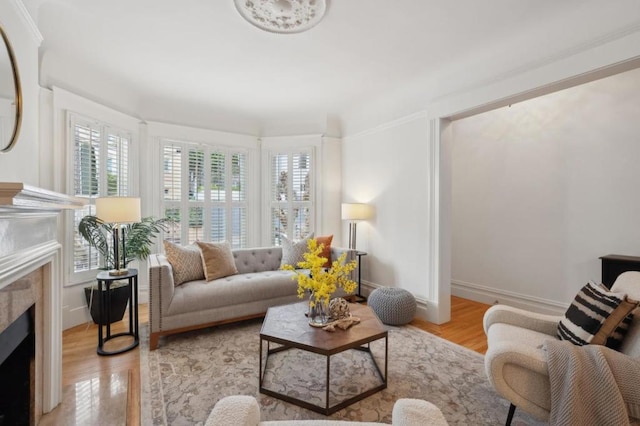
{"points": [[318, 312]]}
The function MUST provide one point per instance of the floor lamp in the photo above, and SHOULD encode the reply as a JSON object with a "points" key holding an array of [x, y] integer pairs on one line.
{"points": [[118, 211], [354, 212]]}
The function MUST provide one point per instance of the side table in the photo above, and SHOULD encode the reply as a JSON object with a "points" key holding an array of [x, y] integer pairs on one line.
{"points": [[615, 264], [359, 296], [105, 307]]}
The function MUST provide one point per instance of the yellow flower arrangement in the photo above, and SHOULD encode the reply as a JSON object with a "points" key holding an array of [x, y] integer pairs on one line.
{"points": [[320, 281]]}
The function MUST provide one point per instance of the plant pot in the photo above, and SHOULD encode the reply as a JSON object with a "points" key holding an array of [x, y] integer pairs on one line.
{"points": [[119, 295]]}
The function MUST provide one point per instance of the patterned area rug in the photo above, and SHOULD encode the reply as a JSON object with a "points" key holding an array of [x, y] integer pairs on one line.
{"points": [[184, 378]]}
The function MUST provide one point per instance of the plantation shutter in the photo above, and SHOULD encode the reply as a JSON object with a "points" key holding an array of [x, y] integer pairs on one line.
{"points": [[291, 195], [218, 217], [100, 168], [172, 188], [117, 164], [196, 188], [86, 184], [209, 199], [238, 171]]}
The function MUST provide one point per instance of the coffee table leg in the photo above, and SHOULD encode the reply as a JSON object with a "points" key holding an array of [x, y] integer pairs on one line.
{"points": [[328, 376], [260, 378]]}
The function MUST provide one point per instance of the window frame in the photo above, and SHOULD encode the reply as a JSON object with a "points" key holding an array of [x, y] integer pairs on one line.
{"points": [[106, 131], [185, 203], [290, 203]]}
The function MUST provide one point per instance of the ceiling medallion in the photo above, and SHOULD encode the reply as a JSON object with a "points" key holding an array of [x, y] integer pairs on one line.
{"points": [[282, 16]]}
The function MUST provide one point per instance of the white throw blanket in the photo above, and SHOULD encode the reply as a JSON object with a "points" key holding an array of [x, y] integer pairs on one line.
{"points": [[592, 385]]}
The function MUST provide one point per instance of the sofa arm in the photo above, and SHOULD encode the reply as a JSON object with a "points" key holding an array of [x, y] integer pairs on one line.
{"points": [[236, 410], [161, 289], [547, 324], [416, 412]]}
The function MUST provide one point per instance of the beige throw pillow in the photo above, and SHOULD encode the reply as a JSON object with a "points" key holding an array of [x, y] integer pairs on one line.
{"points": [[217, 260], [186, 262]]}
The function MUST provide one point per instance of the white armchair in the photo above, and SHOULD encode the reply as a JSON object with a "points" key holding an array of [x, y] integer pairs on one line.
{"points": [[515, 361], [243, 410]]}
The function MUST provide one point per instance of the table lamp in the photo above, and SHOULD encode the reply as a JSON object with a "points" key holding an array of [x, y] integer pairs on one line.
{"points": [[354, 212], [118, 211]]}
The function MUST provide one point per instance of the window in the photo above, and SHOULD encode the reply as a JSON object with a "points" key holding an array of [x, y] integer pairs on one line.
{"points": [[100, 168], [205, 192], [291, 195]]}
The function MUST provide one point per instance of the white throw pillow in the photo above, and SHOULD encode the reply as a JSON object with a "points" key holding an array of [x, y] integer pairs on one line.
{"points": [[292, 252]]}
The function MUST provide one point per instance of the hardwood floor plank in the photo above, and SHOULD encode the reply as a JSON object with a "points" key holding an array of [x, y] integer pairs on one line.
{"points": [[80, 362]]}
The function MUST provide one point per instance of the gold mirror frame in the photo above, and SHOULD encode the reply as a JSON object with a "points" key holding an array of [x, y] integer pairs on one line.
{"points": [[18, 99]]}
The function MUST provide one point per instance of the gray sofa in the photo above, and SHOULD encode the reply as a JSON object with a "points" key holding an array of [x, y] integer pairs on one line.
{"points": [[258, 285]]}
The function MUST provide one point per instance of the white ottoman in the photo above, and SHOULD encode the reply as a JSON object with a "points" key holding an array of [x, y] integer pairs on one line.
{"points": [[394, 306]]}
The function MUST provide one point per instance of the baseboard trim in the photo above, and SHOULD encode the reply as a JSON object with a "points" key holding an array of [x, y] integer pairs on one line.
{"points": [[425, 309], [492, 296]]}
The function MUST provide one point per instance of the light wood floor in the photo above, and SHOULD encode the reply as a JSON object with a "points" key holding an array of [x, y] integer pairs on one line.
{"points": [[81, 364]]}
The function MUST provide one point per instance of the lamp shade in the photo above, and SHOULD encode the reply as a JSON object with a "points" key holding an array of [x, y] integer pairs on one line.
{"points": [[356, 211], [118, 209]]}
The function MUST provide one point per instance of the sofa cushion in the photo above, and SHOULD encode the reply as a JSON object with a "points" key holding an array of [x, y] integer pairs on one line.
{"points": [[233, 290], [217, 260], [594, 309], [326, 248], [186, 262], [292, 252]]}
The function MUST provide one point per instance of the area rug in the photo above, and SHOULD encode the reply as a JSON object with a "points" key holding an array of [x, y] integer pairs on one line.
{"points": [[184, 378]]}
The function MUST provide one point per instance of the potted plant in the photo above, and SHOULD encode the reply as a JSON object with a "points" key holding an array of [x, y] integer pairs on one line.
{"points": [[138, 238], [321, 282]]}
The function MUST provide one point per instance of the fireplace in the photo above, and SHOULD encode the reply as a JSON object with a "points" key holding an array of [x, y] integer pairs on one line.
{"points": [[17, 359], [30, 301]]}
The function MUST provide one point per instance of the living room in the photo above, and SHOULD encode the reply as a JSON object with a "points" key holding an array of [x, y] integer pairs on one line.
{"points": [[414, 124]]}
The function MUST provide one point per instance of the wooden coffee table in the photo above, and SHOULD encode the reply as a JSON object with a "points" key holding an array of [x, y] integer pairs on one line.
{"points": [[287, 326]]}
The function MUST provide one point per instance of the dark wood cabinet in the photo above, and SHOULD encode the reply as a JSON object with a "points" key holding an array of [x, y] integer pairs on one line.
{"points": [[615, 264]]}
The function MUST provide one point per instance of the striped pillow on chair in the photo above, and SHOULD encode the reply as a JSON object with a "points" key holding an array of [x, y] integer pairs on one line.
{"points": [[597, 316]]}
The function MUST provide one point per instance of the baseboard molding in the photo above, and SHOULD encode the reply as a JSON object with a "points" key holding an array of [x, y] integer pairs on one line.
{"points": [[425, 309], [493, 296], [72, 317]]}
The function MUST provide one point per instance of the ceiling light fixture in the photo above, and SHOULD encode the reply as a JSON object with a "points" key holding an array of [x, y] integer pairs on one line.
{"points": [[282, 16]]}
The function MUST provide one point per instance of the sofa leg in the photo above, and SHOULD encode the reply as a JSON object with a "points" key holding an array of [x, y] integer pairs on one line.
{"points": [[512, 410], [153, 341]]}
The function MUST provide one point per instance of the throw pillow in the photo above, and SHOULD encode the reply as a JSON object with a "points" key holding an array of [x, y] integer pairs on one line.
{"points": [[596, 309], [326, 249], [292, 252], [185, 261], [217, 260]]}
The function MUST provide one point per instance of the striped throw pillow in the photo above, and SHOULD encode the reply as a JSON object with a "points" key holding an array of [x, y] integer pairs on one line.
{"points": [[597, 316]]}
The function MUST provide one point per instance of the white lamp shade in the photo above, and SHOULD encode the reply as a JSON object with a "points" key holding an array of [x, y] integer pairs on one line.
{"points": [[356, 211], [118, 209]]}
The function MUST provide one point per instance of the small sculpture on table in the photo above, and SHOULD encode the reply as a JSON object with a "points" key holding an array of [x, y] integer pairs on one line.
{"points": [[340, 315]]}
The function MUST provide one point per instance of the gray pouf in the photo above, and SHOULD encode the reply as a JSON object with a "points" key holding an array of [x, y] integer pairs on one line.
{"points": [[394, 306]]}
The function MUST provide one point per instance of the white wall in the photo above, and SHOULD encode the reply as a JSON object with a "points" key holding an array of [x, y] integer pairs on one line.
{"points": [[21, 163], [387, 167], [541, 189]]}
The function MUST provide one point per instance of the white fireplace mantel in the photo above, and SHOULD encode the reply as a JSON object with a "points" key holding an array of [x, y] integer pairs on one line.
{"points": [[28, 242], [18, 194]]}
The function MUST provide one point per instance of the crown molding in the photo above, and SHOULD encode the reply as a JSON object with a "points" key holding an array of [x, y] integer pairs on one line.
{"points": [[27, 19], [547, 60], [388, 125]]}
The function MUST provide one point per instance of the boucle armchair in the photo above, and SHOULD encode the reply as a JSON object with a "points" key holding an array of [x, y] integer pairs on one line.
{"points": [[243, 410], [515, 361]]}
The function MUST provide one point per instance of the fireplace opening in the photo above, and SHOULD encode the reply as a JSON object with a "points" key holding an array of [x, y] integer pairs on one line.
{"points": [[17, 359]]}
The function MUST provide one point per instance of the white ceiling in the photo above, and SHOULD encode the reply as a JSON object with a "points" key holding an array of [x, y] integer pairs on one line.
{"points": [[191, 61]]}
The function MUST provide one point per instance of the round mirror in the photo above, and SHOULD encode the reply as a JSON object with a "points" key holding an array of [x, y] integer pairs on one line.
{"points": [[10, 96]]}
